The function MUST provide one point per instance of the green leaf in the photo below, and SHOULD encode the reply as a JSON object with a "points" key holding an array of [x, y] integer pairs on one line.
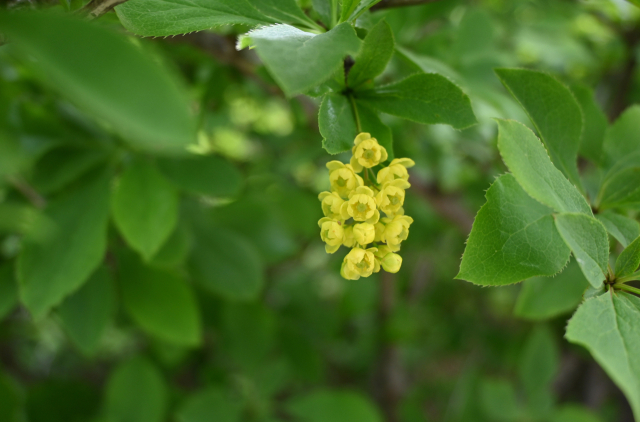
{"points": [[213, 404], [159, 18], [142, 101], [574, 413], [629, 260], [620, 189], [338, 125], [86, 313], [424, 98], [553, 110], [144, 207], [59, 262], [299, 60], [136, 392], [539, 362], [334, 406], [207, 175], [11, 402], [589, 242], [362, 7], [8, 289], [348, 7], [527, 159], [376, 52], [285, 11], [624, 229], [160, 302], [595, 124], [227, 265], [544, 297], [606, 326], [59, 167], [623, 138], [175, 250], [323, 9], [498, 400], [513, 238]]}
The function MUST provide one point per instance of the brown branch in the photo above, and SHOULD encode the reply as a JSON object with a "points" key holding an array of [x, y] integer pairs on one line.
{"points": [[28, 192], [96, 8], [388, 4]]}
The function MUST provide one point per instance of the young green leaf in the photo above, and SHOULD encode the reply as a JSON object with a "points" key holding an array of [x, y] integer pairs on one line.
{"points": [[208, 175], [376, 52], [545, 297], [425, 98], [624, 229], [623, 138], [159, 18], [175, 250], [629, 260], [513, 238], [620, 189], [335, 406], [8, 289], [527, 159], [160, 302], [142, 101], [539, 362], [213, 404], [87, 312], [595, 124], [362, 7], [348, 7], [285, 11], [60, 261], [553, 110], [227, 265], [589, 242], [299, 60], [144, 207], [323, 9], [136, 391], [606, 326]]}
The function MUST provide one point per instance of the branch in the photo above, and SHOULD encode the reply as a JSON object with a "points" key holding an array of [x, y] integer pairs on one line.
{"points": [[388, 4], [28, 192], [96, 8]]}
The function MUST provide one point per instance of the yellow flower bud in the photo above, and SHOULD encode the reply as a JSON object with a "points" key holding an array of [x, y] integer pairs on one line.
{"points": [[342, 178], [367, 152], [379, 232], [331, 203], [391, 263], [349, 240], [359, 263], [391, 197], [331, 233], [364, 233], [396, 230], [382, 251], [396, 170], [361, 206]]}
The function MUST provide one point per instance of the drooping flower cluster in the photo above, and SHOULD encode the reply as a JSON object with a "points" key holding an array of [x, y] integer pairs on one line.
{"points": [[352, 210]]}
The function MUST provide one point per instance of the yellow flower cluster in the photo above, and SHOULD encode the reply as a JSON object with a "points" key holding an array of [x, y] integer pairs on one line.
{"points": [[352, 209]]}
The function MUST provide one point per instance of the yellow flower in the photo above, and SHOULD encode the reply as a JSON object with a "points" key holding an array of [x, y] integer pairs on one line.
{"points": [[331, 203], [382, 251], [396, 170], [361, 206], [379, 232], [342, 178], [331, 233], [359, 263], [367, 152], [391, 263], [364, 233], [349, 240], [396, 230], [391, 198]]}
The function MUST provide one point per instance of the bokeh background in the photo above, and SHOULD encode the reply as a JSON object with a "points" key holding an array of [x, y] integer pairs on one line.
{"points": [[297, 342]]}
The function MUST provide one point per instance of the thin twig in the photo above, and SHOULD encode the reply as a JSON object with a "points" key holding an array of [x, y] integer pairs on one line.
{"points": [[28, 192], [388, 4], [96, 8]]}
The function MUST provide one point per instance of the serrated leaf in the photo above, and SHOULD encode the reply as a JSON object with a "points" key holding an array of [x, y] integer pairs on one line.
{"points": [[212, 404], [226, 264], [529, 162], [424, 98], [624, 229], [144, 207], [377, 49], [54, 266], [606, 326], [588, 240], [553, 110], [159, 18], [285, 11], [136, 392], [8, 289], [203, 175], [338, 125], [333, 405], [548, 297], [142, 101], [513, 238], [160, 302], [629, 260], [595, 124], [87, 312], [299, 60]]}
